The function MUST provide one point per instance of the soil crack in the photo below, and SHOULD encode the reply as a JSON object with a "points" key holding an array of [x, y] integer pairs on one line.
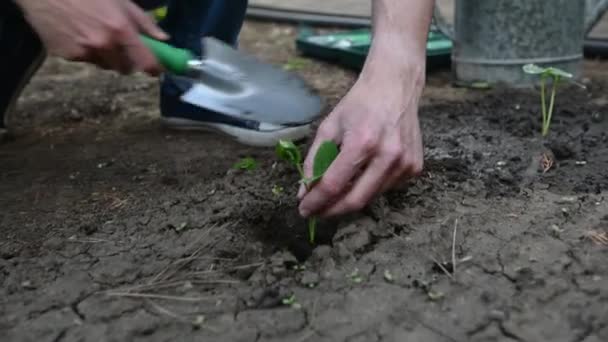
{"points": [[507, 333]]}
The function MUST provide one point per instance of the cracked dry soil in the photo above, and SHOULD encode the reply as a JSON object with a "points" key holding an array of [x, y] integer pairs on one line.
{"points": [[116, 230]]}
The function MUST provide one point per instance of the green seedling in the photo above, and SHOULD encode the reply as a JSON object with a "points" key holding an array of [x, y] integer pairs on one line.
{"points": [[555, 75], [325, 155], [247, 164], [388, 276], [291, 301], [296, 63], [277, 190], [435, 295], [355, 277]]}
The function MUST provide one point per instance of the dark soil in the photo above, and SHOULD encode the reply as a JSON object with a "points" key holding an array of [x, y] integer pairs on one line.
{"points": [[117, 230]]}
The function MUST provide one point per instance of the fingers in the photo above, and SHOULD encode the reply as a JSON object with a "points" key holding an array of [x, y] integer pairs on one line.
{"points": [[364, 190], [356, 151], [376, 176], [145, 23], [402, 172], [141, 57]]}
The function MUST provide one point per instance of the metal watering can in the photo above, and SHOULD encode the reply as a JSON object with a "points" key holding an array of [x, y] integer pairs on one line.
{"points": [[493, 39]]}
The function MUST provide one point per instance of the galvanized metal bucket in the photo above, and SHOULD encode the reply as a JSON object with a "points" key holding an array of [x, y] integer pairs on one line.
{"points": [[493, 39]]}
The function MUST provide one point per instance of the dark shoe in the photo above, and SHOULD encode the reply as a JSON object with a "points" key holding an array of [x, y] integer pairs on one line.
{"points": [[178, 114], [187, 22], [21, 55]]}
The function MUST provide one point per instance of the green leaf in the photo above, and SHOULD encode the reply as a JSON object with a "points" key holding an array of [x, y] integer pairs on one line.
{"points": [[296, 64], [277, 190], [247, 163], [325, 155], [555, 72], [289, 152], [534, 69]]}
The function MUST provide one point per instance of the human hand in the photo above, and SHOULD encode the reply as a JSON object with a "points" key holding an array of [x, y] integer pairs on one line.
{"points": [[105, 32], [377, 126]]}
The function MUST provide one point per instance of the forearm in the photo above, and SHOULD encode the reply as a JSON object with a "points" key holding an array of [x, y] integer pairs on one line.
{"points": [[400, 31]]}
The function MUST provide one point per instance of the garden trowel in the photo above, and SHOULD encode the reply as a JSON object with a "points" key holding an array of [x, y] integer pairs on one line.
{"points": [[230, 82]]}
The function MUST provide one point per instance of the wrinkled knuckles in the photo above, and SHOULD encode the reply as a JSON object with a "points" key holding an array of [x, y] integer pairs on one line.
{"points": [[77, 54], [101, 41], [415, 166], [367, 143], [353, 204], [120, 29], [392, 153], [150, 68], [325, 130], [329, 188]]}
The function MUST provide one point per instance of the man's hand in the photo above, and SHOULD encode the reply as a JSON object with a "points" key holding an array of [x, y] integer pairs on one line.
{"points": [[376, 123], [103, 32], [377, 127]]}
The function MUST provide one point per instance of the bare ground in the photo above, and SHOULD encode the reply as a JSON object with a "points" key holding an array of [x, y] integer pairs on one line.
{"points": [[117, 230]]}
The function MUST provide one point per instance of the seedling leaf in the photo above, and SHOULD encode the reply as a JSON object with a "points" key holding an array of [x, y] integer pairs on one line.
{"points": [[277, 190], [326, 154], [296, 64], [559, 73], [289, 152], [533, 69], [247, 163]]}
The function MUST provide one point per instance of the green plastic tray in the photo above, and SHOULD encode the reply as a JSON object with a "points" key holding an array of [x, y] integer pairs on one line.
{"points": [[350, 48]]}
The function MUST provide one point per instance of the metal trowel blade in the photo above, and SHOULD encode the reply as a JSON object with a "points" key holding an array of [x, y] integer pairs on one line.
{"points": [[233, 83]]}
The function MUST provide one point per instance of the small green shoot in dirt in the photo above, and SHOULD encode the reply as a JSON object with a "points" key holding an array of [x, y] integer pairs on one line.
{"points": [[199, 321], [277, 190], [296, 63], [555, 75], [355, 277], [388, 276], [299, 268], [435, 295], [292, 302], [247, 164], [325, 155]]}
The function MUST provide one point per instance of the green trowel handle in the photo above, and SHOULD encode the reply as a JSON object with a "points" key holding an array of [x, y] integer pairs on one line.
{"points": [[171, 58]]}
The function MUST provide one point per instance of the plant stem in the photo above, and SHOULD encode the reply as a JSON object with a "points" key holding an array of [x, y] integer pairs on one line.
{"points": [[300, 171], [547, 124], [543, 101], [312, 222], [312, 229]]}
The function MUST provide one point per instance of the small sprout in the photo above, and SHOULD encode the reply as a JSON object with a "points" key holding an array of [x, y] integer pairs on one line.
{"points": [[289, 152], [247, 164], [556, 75], [388, 276], [277, 190], [435, 295], [296, 64], [555, 228], [480, 85], [325, 155], [181, 226], [299, 267], [355, 277], [292, 302], [199, 321]]}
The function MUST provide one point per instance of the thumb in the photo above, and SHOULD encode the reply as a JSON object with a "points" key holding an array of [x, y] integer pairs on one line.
{"points": [[145, 23]]}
